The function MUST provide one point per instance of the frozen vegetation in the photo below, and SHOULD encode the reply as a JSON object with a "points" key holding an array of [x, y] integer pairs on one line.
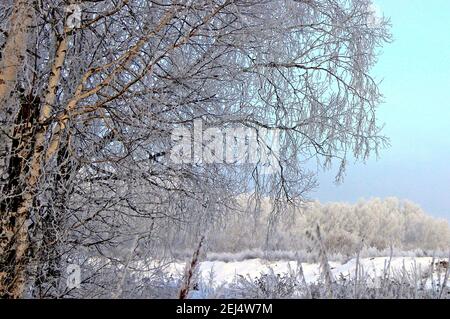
{"points": [[378, 277], [320, 270]]}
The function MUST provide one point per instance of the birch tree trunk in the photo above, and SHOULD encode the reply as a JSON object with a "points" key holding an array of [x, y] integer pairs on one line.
{"points": [[11, 63], [17, 241], [15, 48]]}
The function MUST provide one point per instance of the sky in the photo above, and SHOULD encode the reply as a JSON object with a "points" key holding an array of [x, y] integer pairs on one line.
{"points": [[415, 74]]}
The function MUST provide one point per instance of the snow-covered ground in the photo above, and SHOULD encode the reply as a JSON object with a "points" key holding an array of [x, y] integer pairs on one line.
{"points": [[225, 272]]}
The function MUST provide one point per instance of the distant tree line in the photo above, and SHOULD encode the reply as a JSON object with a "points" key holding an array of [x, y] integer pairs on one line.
{"points": [[346, 228]]}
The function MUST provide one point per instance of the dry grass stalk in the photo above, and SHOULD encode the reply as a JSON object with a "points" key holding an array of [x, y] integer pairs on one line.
{"points": [[190, 270]]}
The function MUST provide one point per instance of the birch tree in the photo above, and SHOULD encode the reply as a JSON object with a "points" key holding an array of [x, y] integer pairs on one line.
{"points": [[107, 83]]}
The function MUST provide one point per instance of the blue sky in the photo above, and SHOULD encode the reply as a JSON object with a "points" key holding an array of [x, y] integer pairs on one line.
{"points": [[415, 70]]}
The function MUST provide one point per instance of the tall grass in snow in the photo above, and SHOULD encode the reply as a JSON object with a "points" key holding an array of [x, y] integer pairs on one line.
{"points": [[190, 271]]}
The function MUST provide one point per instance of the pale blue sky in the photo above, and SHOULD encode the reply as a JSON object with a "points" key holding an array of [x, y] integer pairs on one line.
{"points": [[415, 69]]}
